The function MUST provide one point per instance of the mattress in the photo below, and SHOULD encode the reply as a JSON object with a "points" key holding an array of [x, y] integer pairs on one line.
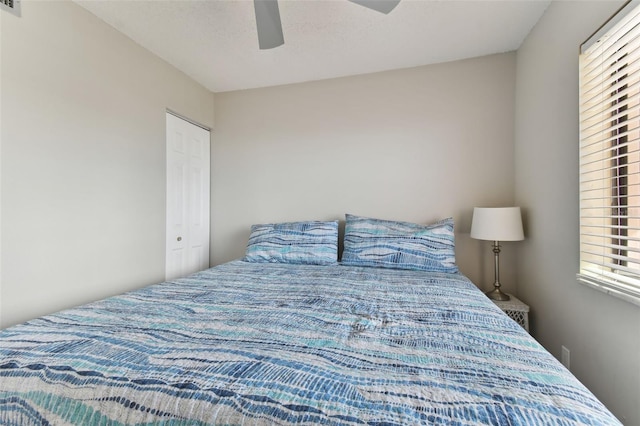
{"points": [[246, 343]]}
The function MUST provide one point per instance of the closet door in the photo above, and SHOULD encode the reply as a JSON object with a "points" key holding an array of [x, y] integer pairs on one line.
{"points": [[188, 166]]}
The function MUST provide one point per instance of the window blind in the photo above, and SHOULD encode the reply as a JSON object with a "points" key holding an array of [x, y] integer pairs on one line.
{"points": [[610, 157]]}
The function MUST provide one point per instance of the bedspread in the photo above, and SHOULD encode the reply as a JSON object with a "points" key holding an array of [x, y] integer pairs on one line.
{"points": [[278, 344]]}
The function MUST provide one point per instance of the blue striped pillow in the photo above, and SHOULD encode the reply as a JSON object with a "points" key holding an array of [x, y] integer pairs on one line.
{"points": [[399, 245], [313, 243]]}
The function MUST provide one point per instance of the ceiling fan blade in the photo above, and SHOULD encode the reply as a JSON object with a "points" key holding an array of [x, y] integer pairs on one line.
{"points": [[268, 24], [384, 6]]}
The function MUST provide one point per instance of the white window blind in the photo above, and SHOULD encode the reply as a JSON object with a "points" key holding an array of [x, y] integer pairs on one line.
{"points": [[610, 158]]}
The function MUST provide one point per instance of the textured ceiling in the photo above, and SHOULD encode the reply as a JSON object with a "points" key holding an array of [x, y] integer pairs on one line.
{"points": [[215, 41]]}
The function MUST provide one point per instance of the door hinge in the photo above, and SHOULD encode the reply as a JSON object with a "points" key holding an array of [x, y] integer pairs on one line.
{"points": [[11, 6]]}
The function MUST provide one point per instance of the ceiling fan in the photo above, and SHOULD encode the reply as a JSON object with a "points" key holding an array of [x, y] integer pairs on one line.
{"points": [[270, 28]]}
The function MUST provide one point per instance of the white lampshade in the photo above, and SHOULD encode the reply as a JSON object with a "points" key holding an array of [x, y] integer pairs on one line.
{"points": [[497, 224]]}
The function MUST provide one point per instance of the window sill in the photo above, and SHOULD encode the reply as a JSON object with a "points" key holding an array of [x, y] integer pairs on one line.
{"points": [[609, 289]]}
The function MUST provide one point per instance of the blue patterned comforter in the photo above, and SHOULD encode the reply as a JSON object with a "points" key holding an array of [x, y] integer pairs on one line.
{"points": [[276, 344]]}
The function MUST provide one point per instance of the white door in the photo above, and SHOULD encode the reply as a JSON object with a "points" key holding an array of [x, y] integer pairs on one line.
{"points": [[188, 165]]}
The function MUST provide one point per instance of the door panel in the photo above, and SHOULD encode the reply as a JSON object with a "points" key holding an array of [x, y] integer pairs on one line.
{"points": [[188, 170]]}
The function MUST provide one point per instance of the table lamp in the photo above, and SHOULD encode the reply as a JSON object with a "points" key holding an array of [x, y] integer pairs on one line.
{"points": [[497, 224]]}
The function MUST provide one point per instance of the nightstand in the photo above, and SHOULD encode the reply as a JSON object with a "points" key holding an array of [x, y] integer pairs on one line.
{"points": [[516, 310]]}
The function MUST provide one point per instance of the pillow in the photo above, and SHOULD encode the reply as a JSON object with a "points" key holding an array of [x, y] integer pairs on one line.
{"points": [[399, 245], [313, 243]]}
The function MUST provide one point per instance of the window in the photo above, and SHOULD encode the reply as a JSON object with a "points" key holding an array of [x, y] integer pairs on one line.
{"points": [[610, 157]]}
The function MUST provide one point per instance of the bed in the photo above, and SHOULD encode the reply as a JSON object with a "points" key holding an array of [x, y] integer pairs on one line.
{"points": [[267, 343]]}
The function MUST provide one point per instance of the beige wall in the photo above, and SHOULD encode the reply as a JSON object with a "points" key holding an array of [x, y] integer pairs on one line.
{"points": [[82, 159], [398, 145], [602, 332]]}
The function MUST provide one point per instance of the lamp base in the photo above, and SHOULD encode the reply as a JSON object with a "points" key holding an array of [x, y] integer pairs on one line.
{"points": [[496, 294]]}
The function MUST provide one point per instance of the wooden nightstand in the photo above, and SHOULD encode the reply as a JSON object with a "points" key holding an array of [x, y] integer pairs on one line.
{"points": [[516, 310]]}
